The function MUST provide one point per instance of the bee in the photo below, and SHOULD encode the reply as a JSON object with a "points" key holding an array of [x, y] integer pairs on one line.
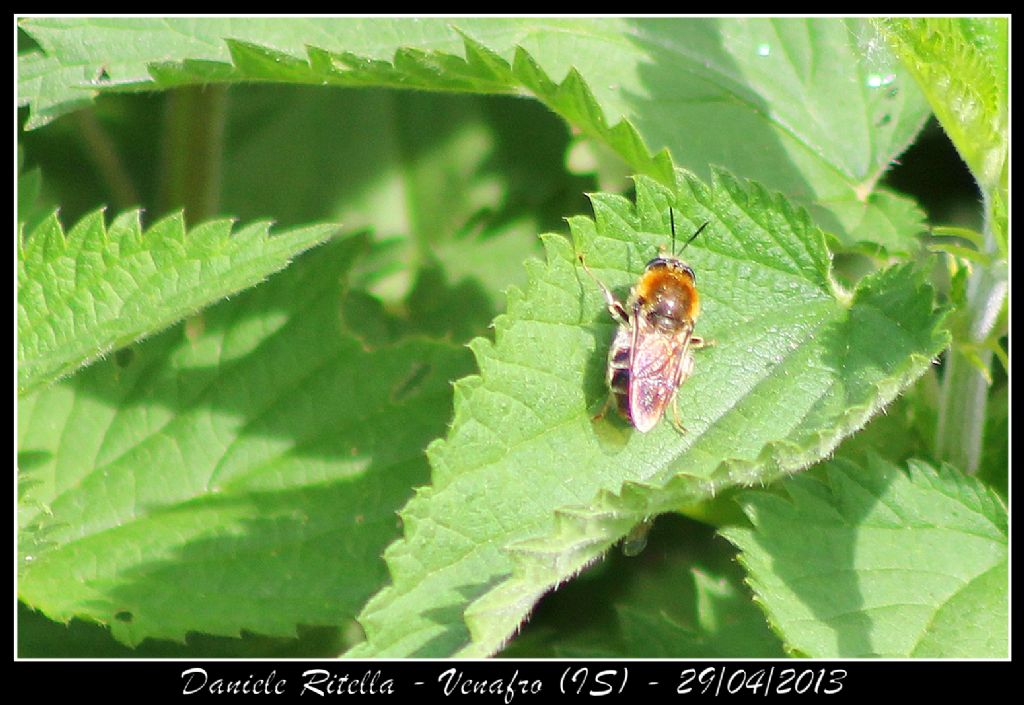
{"points": [[652, 353]]}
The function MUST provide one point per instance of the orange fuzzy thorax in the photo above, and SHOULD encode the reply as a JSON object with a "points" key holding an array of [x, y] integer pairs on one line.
{"points": [[672, 288]]}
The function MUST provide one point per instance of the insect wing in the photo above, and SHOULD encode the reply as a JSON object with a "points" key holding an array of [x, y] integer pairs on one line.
{"points": [[656, 368]]}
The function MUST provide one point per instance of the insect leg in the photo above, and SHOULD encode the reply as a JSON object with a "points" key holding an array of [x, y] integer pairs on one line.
{"points": [[604, 409], [685, 370], [696, 342], [615, 308], [675, 416]]}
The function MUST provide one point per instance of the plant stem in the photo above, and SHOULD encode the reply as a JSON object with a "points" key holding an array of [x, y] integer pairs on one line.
{"points": [[962, 406], [193, 151], [108, 162]]}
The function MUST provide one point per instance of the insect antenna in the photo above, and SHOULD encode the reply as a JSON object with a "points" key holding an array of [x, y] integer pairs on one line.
{"points": [[672, 222], [694, 236]]}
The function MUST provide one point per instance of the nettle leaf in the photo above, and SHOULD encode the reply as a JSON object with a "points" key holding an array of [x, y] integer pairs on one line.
{"points": [[814, 107], [880, 562], [682, 597], [31, 208], [79, 57], [241, 476], [961, 64], [527, 488], [96, 288], [430, 174]]}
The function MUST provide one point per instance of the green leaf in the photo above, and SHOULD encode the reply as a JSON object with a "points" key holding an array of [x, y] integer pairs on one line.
{"points": [[682, 597], [961, 64], [79, 57], [815, 108], [51, 86], [527, 488], [999, 221], [31, 211], [39, 637], [449, 178], [97, 288], [884, 220], [903, 430], [242, 477], [968, 253], [879, 562], [975, 238]]}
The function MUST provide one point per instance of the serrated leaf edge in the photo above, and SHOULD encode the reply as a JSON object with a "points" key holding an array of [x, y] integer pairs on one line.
{"points": [[50, 241], [583, 532], [915, 471], [590, 531]]}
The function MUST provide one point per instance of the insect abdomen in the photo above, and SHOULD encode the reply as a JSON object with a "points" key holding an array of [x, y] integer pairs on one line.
{"points": [[618, 370]]}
